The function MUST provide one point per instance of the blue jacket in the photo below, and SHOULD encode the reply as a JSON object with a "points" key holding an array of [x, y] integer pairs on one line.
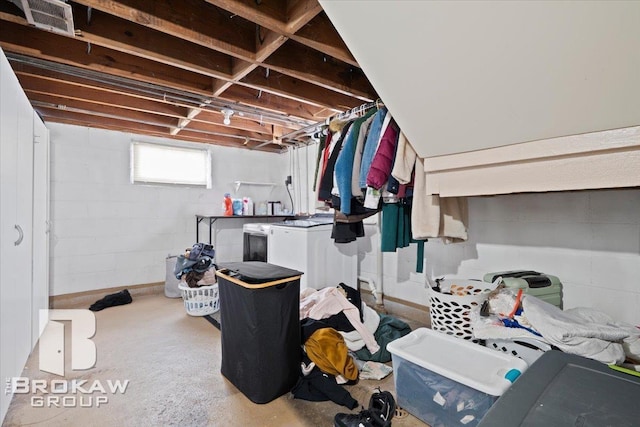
{"points": [[344, 164], [370, 145]]}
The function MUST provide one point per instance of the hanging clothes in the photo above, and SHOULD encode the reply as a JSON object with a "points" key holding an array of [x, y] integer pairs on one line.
{"points": [[356, 190], [393, 185], [326, 183], [405, 160], [396, 230], [371, 144], [324, 139], [431, 215], [346, 160], [383, 159]]}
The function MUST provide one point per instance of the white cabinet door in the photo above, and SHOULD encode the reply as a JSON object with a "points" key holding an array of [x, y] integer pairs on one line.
{"points": [[8, 233], [40, 265], [16, 212]]}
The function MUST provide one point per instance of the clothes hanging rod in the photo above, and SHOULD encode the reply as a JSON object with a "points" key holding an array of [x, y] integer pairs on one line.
{"points": [[340, 116]]}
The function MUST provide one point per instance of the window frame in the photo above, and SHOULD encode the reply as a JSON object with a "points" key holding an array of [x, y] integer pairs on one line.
{"points": [[169, 182]]}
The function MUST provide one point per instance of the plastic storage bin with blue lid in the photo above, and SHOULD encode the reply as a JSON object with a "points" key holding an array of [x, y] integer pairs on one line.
{"points": [[447, 381]]}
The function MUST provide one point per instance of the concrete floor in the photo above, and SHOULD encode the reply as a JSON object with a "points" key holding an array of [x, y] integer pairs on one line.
{"points": [[172, 362]]}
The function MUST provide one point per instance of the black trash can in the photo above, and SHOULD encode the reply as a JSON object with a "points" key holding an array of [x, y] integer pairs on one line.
{"points": [[260, 328]]}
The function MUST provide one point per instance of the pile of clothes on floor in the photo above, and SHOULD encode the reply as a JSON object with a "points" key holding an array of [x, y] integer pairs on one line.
{"points": [[510, 314], [344, 340], [195, 267]]}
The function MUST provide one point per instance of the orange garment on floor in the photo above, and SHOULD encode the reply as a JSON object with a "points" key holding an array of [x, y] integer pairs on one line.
{"points": [[327, 349]]}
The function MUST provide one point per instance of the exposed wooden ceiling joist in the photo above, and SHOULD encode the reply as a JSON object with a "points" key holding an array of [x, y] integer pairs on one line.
{"points": [[59, 92], [192, 20], [152, 45], [294, 59], [127, 37], [33, 42], [161, 17], [279, 64]]}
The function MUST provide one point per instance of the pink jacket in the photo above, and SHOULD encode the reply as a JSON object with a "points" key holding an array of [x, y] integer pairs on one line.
{"points": [[383, 159]]}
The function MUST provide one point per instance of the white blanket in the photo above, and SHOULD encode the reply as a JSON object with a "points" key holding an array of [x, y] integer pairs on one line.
{"points": [[354, 339], [576, 331], [486, 328]]}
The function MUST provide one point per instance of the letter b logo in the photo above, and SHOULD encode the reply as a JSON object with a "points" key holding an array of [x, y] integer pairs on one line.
{"points": [[51, 344]]}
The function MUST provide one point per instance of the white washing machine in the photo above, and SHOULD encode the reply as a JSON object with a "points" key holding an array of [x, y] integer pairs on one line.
{"points": [[254, 245], [307, 246]]}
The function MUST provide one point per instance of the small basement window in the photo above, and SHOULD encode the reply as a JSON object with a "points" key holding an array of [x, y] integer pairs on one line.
{"points": [[166, 164]]}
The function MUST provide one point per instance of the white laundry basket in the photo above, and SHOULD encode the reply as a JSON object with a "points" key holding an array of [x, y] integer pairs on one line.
{"points": [[200, 301], [171, 284], [451, 313]]}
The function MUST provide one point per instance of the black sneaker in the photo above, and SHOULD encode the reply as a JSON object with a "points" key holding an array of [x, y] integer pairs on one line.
{"points": [[364, 419], [383, 405]]}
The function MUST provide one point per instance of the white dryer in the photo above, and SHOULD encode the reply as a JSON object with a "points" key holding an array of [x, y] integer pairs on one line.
{"points": [[307, 246]]}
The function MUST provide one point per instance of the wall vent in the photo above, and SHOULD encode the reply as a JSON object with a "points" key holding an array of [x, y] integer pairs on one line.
{"points": [[51, 15]]}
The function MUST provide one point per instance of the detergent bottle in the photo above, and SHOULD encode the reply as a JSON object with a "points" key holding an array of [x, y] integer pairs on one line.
{"points": [[227, 205]]}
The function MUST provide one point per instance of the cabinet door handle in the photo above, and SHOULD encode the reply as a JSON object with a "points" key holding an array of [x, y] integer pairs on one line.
{"points": [[17, 242]]}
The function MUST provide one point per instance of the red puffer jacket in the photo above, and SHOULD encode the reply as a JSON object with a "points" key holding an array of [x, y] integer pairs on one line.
{"points": [[383, 159]]}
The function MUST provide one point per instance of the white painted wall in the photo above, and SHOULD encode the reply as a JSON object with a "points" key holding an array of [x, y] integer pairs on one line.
{"points": [[589, 239], [107, 232]]}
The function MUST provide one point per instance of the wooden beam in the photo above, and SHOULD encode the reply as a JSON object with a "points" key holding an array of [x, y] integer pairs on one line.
{"points": [[112, 116], [129, 66], [102, 27], [110, 122], [64, 90], [300, 12], [68, 90], [78, 120], [195, 125], [192, 20], [277, 134], [294, 59], [321, 35], [238, 122], [169, 107], [296, 16], [128, 37], [40, 44], [264, 100], [277, 83], [239, 67], [297, 61], [103, 110], [267, 14], [235, 143], [267, 42]]}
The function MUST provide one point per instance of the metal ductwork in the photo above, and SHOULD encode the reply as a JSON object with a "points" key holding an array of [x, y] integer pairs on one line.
{"points": [[50, 15]]}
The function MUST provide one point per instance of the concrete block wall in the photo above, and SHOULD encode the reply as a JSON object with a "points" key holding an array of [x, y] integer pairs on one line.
{"points": [[107, 232], [589, 239]]}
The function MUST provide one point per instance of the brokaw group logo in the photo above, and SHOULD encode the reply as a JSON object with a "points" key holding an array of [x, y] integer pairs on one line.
{"points": [[52, 345], [62, 392]]}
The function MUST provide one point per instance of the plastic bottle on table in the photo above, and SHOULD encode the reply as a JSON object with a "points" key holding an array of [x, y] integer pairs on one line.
{"points": [[227, 205], [247, 206]]}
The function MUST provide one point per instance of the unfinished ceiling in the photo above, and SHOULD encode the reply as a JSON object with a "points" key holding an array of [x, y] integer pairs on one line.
{"points": [[170, 68]]}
